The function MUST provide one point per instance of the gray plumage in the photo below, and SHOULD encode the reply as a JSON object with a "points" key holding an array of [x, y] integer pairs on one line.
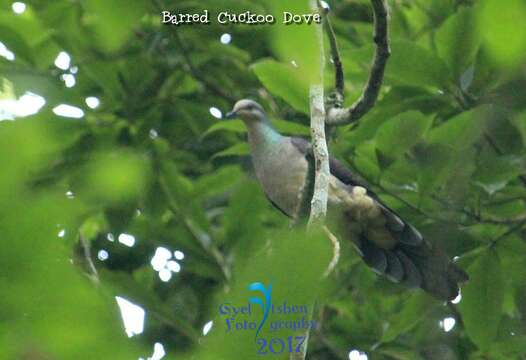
{"points": [[391, 246]]}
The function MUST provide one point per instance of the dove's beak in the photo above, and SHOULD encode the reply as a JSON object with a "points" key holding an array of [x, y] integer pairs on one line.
{"points": [[231, 115]]}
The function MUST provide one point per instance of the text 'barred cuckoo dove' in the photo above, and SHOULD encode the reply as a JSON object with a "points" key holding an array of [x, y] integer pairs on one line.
{"points": [[391, 246]]}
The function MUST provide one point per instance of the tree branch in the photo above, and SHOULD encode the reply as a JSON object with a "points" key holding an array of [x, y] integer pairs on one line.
{"points": [[303, 212], [338, 94], [321, 155], [318, 208], [370, 93]]}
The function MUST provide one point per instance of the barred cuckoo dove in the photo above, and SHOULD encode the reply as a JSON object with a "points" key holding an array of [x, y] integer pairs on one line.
{"points": [[388, 244]]}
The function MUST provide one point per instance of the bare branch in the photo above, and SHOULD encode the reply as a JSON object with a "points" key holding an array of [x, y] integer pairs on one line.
{"points": [[370, 93], [321, 155], [318, 208], [320, 152]]}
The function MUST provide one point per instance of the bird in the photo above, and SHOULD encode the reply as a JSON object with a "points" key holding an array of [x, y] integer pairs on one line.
{"points": [[391, 246]]}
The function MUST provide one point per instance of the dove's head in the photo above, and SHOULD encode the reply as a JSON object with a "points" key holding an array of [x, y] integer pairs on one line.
{"points": [[247, 110]]}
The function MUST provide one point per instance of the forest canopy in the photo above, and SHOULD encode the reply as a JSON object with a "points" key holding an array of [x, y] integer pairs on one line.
{"points": [[129, 210]]}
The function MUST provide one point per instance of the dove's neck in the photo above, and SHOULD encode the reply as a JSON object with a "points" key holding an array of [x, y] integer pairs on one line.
{"points": [[262, 137]]}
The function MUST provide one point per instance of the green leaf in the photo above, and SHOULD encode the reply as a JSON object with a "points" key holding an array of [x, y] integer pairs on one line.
{"points": [[217, 182], [482, 299], [293, 263], [115, 177], [113, 20], [434, 161], [412, 64], [495, 173], [239, 149], [106, 75], [396, 101], [366, 159], [399, 352], [35, 37], [511, 250], [237, 126], [298, 44], [32, 323], [16, 43], [506, 210], [519, 121], [459, 183], [127, 286], [230, 51], [244, 230], [512, 347], [28, 79], [284, 81], [289, 127], [399, 134], [413, 311], [458, 41], [180, 191], [499, 27], [462, 130]]}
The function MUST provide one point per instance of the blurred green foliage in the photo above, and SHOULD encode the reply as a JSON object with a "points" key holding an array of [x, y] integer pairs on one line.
{"points": [[445, 146]]}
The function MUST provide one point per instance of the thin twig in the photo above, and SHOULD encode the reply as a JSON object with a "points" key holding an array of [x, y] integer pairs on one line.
{"points": [[507, 233], [86, 250], [372, 89], [335, 254], [335, 57], [477, 217]]}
